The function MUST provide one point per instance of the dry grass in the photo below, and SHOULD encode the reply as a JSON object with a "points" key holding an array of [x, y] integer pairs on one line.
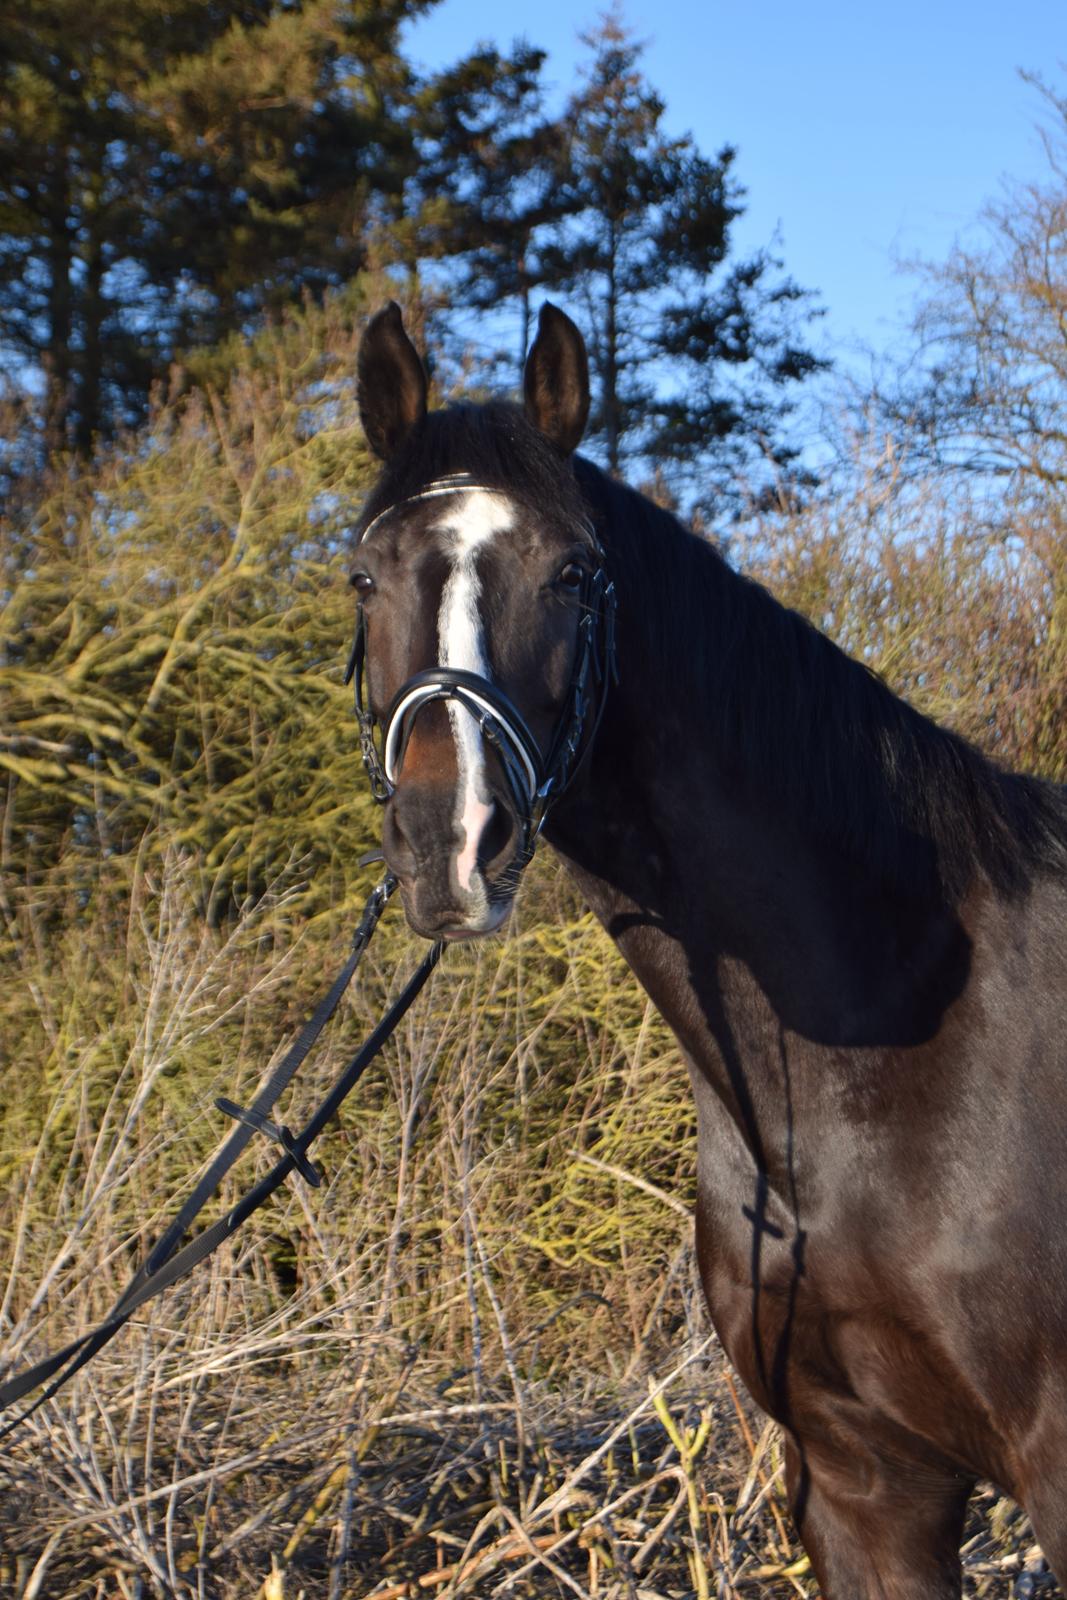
{"points": [[433, 1369], [475, 1363]]}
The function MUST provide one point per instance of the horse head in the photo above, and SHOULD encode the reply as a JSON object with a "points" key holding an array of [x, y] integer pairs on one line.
{"points": [[479, 660]]}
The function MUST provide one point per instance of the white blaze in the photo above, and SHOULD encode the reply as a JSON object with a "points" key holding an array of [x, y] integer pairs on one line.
{"points": [[480, 516]]}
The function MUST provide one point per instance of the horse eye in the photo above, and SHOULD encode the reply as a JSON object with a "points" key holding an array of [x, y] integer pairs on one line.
{"points": [[571, 577], [362, 582]]}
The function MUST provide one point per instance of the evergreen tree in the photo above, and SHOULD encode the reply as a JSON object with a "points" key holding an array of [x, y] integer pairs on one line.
{"points": [[693, 358], [491, 180], [641, 195], [167, 171]]}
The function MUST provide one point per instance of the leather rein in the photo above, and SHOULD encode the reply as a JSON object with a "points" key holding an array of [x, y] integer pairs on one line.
{"points": [[535, 782]]}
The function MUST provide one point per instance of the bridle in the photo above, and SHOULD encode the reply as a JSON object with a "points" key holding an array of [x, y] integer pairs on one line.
{"points": [[535, 779]]}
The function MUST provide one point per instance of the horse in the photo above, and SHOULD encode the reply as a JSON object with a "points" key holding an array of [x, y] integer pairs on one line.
{"points": [[854, 923]]}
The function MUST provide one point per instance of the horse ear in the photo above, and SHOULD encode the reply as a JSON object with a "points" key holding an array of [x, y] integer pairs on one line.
{"points": [[556, 381], [390, 382]]}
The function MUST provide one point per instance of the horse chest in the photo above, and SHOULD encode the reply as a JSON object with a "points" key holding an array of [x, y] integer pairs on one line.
{"points": [[829, 1334]]}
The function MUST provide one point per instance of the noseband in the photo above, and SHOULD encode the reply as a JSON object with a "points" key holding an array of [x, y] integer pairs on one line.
{"points": [[535, 780]]}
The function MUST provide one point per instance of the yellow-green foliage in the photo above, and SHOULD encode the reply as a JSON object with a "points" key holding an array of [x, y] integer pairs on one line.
{"points": [[958, 598], [174, 626]]}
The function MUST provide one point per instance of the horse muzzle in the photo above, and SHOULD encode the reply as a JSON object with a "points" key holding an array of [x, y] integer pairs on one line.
{"points": [[457, 877]]}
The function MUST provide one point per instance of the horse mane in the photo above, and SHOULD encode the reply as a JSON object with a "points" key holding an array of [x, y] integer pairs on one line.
{"points": [[789, 714]]}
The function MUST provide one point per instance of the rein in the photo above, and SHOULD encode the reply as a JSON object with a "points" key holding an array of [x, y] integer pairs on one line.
{"points": [[534, 780], [166, 1263]]}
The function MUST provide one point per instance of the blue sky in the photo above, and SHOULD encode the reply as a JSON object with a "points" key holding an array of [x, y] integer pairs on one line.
{"points": [[866, 134]]}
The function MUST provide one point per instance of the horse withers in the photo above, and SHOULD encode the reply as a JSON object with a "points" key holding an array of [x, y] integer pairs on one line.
{"points": [[855, 925]]}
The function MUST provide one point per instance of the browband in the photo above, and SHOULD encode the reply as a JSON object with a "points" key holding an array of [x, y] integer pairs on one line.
{"points": [[458, 483]]}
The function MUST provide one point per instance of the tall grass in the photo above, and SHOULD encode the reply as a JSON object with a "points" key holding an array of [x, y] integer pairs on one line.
{"points": [[446, 1300]]}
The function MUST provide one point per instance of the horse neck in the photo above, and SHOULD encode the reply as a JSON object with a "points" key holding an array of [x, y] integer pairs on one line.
{"points": [[743, 922], [687, 864]]}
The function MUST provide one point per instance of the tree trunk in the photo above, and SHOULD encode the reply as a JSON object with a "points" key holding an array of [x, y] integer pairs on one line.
{"points": [[60, 304], [90, 386], [524, 307], [612, 428]]}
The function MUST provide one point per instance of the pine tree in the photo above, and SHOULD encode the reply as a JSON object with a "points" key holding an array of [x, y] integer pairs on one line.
{"points": [[692, 355], [491, 180], [169, 170]]}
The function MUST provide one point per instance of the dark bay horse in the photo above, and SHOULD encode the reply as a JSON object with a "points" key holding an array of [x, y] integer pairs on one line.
{"points": [[855, 925]]}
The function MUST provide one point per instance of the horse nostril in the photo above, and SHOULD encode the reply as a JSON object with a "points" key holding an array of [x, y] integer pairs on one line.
{"points": [[419, 828], [498, 841], [396, 846]]}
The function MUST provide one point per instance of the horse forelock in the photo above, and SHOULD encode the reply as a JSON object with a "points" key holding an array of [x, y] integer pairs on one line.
{"points": [[492, 444]]}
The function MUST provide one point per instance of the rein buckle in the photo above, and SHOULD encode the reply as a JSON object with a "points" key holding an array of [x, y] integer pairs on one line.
{"points": [[281, 1135]]}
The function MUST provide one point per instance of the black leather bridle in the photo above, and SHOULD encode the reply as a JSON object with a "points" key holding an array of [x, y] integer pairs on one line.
{"points": [[535, 779]]}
